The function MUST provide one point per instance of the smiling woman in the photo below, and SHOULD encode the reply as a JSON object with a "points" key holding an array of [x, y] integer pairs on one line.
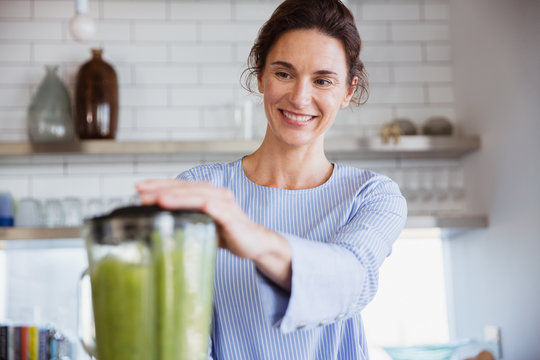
{"points": [[304, 84], [302, 238]]}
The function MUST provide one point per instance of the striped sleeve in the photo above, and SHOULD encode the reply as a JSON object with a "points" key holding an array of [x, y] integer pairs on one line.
{"points": [[186, 176], [337, 279]]}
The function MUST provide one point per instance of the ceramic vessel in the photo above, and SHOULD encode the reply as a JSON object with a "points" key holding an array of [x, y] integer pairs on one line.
{"points": [[49, 114], [96, 95]]}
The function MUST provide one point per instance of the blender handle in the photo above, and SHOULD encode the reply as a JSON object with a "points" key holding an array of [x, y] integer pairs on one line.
{"points": [[85, 315]]}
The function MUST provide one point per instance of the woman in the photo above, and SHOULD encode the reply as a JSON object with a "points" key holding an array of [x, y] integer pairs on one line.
{"points": [[302, 238]]}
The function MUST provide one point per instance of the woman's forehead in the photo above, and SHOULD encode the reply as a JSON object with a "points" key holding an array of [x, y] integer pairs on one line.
{"points": [[309, 48]]}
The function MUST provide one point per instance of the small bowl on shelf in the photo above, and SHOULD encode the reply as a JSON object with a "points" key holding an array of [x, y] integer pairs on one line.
{"points": [[438, 125], [405, 125]]}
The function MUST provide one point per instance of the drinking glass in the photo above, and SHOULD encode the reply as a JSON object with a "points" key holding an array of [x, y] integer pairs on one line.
{"points": [[457, 183], [134, 200], [54, 213], [113, 203], [74, 211], [29, 213], [411, 184], [94, 207], [425, 182], [441, 183]]}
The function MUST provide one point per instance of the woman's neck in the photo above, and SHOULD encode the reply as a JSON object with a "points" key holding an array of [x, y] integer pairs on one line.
{"points": [[288, 167]]}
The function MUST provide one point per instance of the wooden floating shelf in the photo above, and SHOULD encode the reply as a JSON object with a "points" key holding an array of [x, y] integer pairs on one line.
{"points": [[29, 233], [408, 146], [456, 221], [413, 224]]}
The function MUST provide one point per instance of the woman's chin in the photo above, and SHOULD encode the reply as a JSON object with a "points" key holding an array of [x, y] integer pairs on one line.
{"points": [[300, 140]]}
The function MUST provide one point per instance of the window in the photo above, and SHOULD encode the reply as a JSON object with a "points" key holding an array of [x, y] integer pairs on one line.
{"points": [[410, 306]]}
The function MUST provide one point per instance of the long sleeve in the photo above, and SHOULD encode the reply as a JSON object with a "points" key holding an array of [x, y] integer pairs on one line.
{"points": [[336, 279]]}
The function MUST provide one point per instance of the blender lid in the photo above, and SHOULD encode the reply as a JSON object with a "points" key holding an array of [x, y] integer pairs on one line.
{"points": [[141, 211], [139, 222]]}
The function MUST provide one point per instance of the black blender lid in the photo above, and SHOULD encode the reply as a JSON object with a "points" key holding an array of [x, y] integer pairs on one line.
{"points": [[141, 210], [136, 222]]}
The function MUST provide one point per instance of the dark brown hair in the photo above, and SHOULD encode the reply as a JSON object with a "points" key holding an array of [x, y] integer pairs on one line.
{"points": [[330, 17]]}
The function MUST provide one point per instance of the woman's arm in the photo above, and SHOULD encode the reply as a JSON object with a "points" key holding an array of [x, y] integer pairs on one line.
{"points": [[270, 252], [334, 279], [323, 281]]}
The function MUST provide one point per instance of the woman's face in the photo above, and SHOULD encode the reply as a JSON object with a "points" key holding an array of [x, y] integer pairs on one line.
{"points": [[304, 83]]}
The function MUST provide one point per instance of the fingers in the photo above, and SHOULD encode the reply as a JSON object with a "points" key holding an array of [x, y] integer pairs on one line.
{"points": [[210, 200], [150, 191], [178, 199], [176, 194]]}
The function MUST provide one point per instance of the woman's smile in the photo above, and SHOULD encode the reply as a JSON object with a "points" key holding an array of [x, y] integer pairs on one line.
{"points": [[296, 119]]}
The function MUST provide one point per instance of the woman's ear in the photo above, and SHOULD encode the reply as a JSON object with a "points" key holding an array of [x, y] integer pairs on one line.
{"points": [[350, 92], [260, 84]]}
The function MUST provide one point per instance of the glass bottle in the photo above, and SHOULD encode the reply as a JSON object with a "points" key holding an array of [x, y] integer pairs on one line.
{"points": [[96, 94], [49, 114]]}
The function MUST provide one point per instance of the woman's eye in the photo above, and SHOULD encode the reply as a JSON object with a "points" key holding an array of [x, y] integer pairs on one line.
{"points": [[323, 82], [283, 75]]}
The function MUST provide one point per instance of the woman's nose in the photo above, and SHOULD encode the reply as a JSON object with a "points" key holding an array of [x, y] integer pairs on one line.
{"points": [[300, 94]]}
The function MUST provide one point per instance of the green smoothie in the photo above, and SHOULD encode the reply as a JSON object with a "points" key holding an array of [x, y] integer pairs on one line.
{"points": [[184, 268], [158, 310], [122, 295]]}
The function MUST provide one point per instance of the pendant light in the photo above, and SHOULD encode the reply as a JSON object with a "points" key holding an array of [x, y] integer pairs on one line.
{"points": [[81, 26]]}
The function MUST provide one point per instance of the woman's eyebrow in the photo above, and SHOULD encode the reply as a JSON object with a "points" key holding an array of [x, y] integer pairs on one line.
{"points": [[291, 67], [325, 72], [283, 64]]}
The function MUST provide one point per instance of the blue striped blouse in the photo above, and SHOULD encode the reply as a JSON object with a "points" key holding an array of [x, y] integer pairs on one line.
{"points": [[340, 233]]}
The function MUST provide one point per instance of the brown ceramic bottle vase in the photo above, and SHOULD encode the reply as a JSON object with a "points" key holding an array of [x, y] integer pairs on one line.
{"points": [[96, 106]]}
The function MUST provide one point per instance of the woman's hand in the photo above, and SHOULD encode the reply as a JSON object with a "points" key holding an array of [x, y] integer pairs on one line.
{"points": [[237, 233], [234, 228]]}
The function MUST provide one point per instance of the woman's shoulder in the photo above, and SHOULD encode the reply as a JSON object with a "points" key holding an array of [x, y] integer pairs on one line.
{"points": [[216, 173], [359, 176], [364, 183]]}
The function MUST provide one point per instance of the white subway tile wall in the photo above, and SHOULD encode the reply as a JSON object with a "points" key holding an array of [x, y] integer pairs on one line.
{"points": [[179, 64], [134, 10], [15, 29], [45, 9], [15, 9], [441, 94], [164, 32], [386, 12], [193, 11], [13, 98], [419, 32], [15, 53], [18, 186], [437, 52]]}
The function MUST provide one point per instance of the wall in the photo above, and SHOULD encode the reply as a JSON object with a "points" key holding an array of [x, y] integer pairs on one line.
{"points": [[178, 65], [496, 271]]}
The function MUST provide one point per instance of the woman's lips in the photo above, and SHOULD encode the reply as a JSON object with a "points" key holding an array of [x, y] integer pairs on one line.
{"points": [[296, 119]]}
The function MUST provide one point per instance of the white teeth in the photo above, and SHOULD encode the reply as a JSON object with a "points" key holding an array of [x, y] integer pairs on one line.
{"points": [[297, 117]]}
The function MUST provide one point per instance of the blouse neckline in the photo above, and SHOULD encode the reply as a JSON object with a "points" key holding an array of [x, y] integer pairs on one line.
{"points": [[240, 170]]}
